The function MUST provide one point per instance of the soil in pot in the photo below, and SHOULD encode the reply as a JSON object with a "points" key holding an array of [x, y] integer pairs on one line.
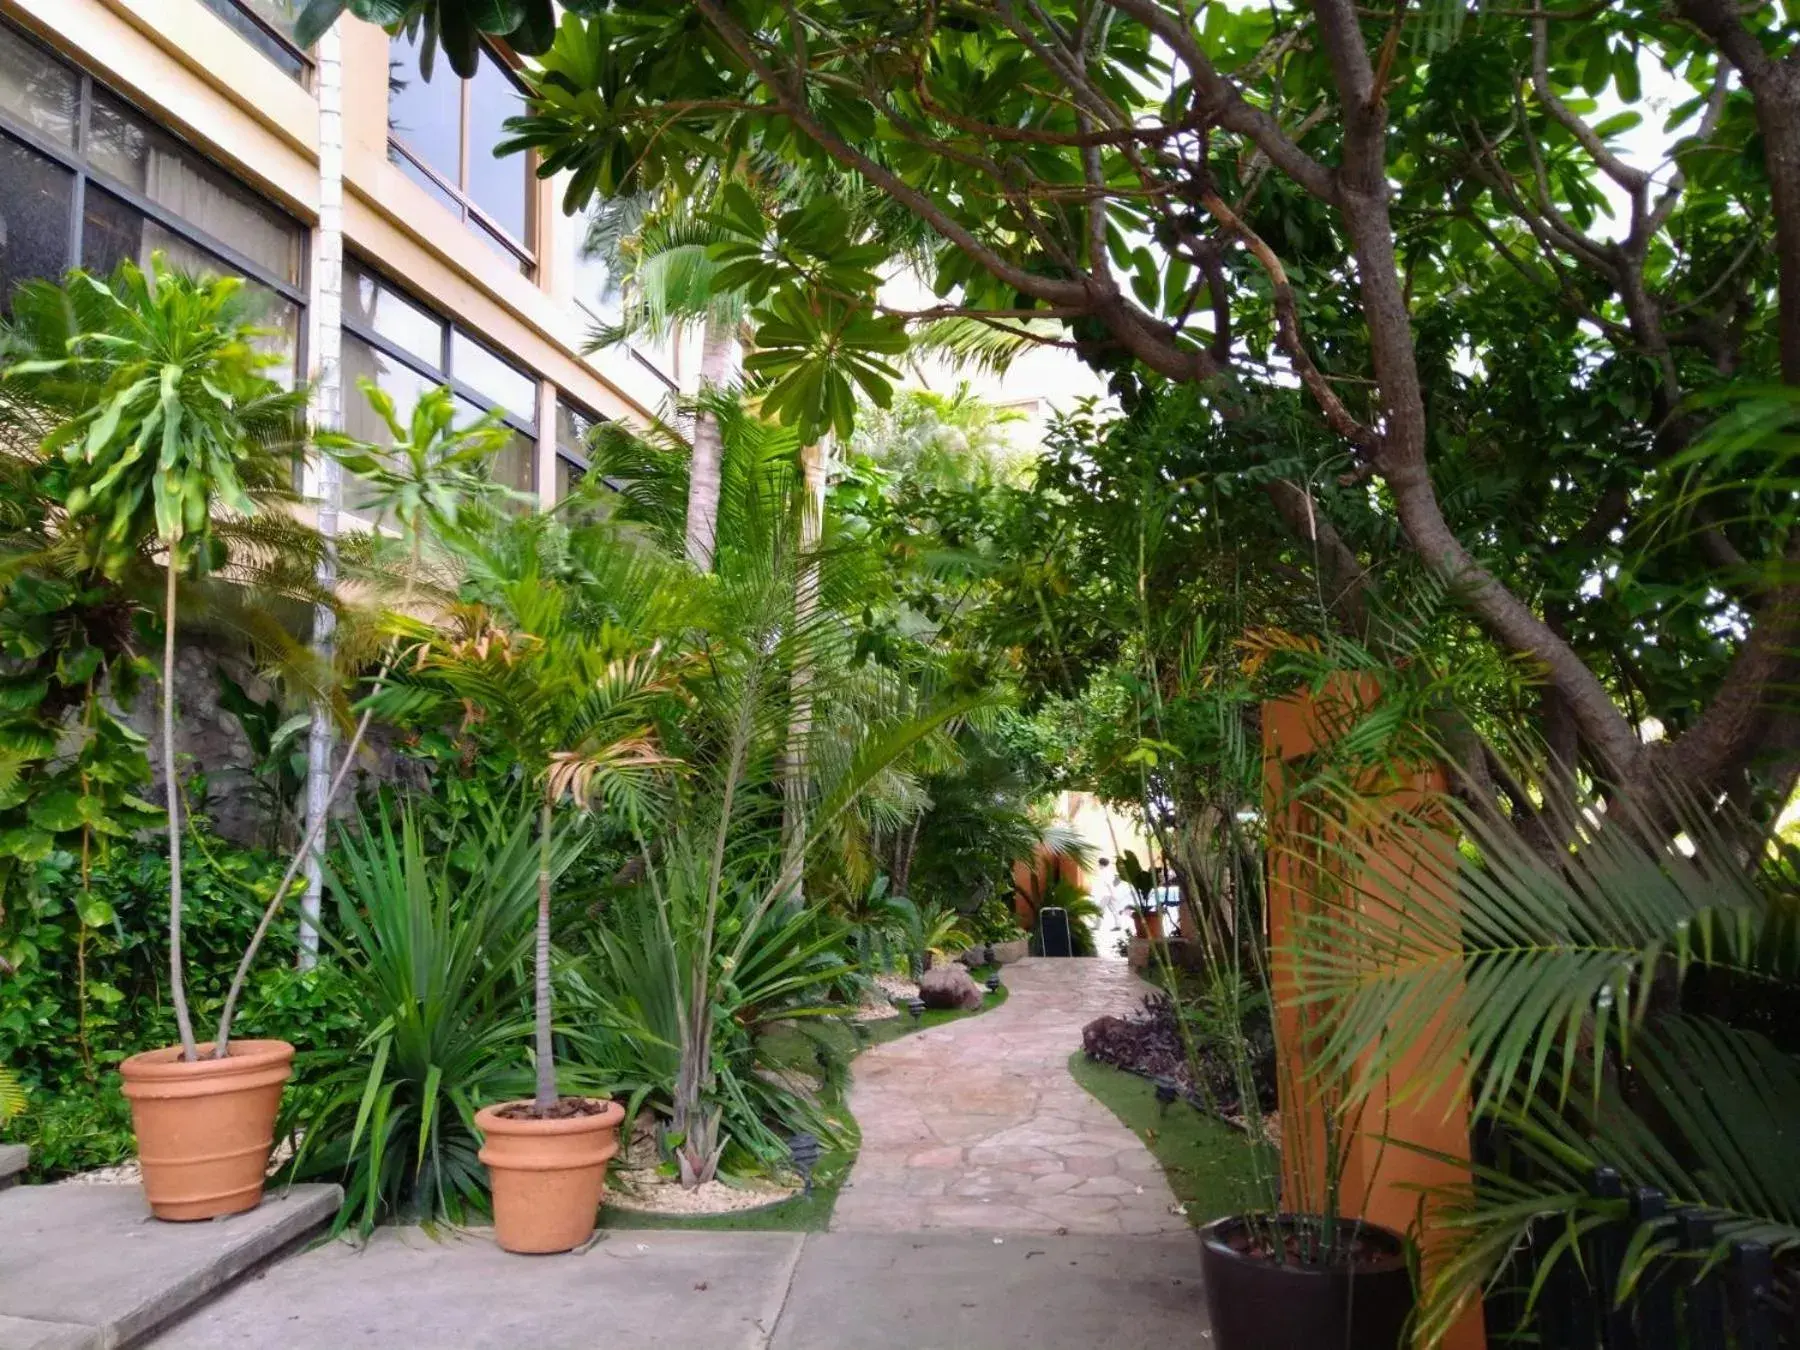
{"points": [[204, 1127], [1258, 1294], [548, 1170]]}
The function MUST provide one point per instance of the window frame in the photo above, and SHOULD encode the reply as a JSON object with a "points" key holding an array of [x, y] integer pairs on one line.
{"points": [[75, 160], [473, 215], [303, 75], [445, 373]]}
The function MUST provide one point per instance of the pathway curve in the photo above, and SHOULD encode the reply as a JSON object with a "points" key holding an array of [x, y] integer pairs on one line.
{"points": [[977, 1125]]}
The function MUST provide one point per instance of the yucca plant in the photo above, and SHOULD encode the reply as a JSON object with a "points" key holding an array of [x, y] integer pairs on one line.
{"points": [[434, 942], [1576, 995]]}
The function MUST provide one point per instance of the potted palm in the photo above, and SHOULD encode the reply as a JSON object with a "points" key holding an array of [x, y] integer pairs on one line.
{"points": [[573, 692]]}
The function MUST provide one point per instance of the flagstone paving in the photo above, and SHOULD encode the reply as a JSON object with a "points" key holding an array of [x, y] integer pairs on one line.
{"points": [[977, 1125]]}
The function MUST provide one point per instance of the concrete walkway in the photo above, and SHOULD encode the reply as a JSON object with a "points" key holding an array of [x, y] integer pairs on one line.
{"points": [[977, 1126], [719, 1291]]}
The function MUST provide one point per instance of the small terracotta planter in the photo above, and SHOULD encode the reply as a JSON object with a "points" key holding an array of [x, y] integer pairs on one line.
{"points": [[204, 1128], [548, 1175], [1148, 923]]}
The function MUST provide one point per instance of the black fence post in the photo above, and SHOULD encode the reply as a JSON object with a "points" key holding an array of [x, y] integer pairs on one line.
{"points": [[1752, 1279], [1655, 1295], [1608, 1247], [1704, 1301]]}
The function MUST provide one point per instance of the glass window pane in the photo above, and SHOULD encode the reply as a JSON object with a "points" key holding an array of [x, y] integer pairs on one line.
{"points": [[153, 163], [402, 161], [500, 187], [574, 426], [278, 15], [425, 114], [34, 217], [478, 368], [383, 310], [113, 230], [568, 477], [591, 283], [37, 89], [516, 465]]}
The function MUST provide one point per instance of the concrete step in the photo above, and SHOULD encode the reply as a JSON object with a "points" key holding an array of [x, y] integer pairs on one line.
{"points": [[13, 1158], [85, 1267]]}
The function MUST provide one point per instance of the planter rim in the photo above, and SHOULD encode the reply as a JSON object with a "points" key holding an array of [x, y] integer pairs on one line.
{"points": [[243, 1056], [1211, 1237], [489, 1120]]}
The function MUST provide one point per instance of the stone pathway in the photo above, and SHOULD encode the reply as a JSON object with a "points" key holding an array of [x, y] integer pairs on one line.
{"points": [[976, 1125]]}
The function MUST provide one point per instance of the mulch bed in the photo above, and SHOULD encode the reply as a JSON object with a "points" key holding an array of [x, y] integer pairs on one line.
{"points": [[1149, 1043]]}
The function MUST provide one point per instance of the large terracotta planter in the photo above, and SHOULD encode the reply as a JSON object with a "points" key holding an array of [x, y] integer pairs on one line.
{"points": [[548, 1175], [204, 1128]]}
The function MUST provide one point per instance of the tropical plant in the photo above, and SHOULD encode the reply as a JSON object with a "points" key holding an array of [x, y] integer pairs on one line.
{"points": [[927, 929], [430, 944], [568, 672], [788, 966], [172, 423], [423, 481], [1619, 1004]]}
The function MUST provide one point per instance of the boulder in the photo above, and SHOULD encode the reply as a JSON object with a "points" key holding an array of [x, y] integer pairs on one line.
{"points": [[1005, 953], [949, 986]]}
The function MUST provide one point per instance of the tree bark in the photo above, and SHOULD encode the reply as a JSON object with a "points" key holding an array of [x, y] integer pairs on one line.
{"points": [[190, 1051], [716, 345], [800, 714]]}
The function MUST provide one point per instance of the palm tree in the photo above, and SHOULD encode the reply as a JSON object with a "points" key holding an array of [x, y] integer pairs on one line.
{"points": [[568, 668], [659, 250], [168, 431], [1617, 1003]]}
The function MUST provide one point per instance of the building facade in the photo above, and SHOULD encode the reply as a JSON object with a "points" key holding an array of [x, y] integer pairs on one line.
{"points": [[194, 127]]}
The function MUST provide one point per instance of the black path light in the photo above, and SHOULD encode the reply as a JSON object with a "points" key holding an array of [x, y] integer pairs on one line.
{"points": [[917, 1007], [1167, 1091], [805, 1151], [993, 982]]}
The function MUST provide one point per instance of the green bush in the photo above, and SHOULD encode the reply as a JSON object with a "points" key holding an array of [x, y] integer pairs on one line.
{"points": [[90, 982]]}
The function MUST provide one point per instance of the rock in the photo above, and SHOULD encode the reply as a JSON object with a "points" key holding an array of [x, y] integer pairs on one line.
{"points": [[949, 986], [975, 956], [1005, 953]]}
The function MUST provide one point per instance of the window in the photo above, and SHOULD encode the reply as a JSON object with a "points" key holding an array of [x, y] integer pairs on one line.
{"points": [[591, 282], [86, 180], [442, 133], [407, 351], [575, 427], [268, 26]]}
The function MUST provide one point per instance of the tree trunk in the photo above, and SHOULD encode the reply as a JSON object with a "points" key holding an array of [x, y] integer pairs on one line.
{"points": [[172, 794], [328, 405], [703, 468], [546, 1050], [800, 715]]}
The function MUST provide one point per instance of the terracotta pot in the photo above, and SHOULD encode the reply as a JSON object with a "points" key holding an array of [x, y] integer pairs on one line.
{"points": [[1254, 1303], [1148, 923], [204, 1128], [548, 1175]]}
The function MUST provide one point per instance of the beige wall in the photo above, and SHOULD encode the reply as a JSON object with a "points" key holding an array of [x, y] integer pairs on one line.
{"points": [[192, 73]]}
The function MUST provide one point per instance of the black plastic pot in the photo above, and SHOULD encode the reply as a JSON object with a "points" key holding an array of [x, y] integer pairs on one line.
{"points": [[1257, 1304]]}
